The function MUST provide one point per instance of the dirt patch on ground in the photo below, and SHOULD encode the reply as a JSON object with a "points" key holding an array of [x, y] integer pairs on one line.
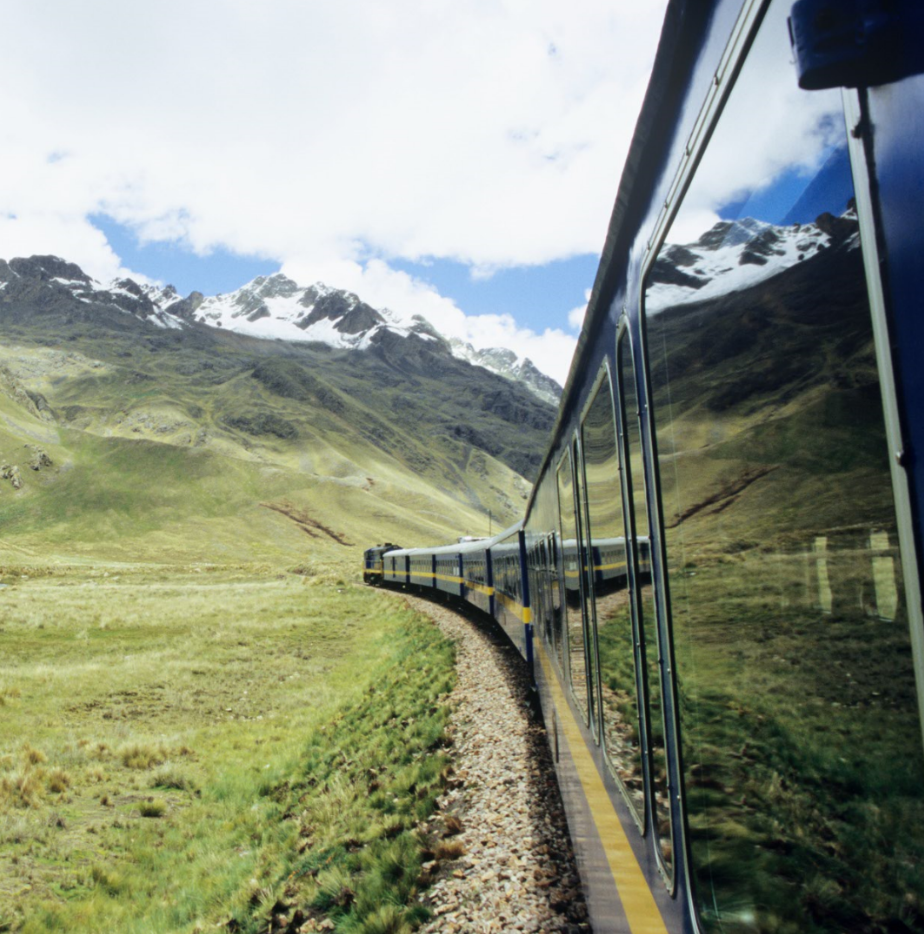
{"points": [[306, 523]]}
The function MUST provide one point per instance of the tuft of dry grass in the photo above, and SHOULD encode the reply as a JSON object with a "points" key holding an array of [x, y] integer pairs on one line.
{"points": [[24, 788], [153, 807], [141, 757], [448, 850], [58, 781], [33, 756], [453, 825]]}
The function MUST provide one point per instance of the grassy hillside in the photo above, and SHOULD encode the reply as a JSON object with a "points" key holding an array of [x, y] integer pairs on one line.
{"points": [[162, 457], [193, 686]]}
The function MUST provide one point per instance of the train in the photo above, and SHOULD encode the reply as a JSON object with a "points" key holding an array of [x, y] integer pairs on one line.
{"points": [[717, 580]]}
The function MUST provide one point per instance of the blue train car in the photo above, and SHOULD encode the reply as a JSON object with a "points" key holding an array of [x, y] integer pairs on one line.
{"points": [[720, 562], [478, 577]]}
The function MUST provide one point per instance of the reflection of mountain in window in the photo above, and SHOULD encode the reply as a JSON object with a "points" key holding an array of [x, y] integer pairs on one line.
{"points": [[796, 697], [736, 254]]}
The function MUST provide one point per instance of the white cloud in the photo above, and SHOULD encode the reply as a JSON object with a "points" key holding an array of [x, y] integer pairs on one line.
{"points": [[576, 315], [491, 132], [73, 238]]}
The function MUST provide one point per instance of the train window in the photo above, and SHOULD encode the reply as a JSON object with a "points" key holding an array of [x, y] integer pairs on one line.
{"points": [[803, 770], [587, 569], [644, 599], [606, 531], [557, 610], [571, 572]]}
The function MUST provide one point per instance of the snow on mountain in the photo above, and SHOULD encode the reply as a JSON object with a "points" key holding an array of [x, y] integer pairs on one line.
{"points": [[734, 255], [277, 308], [731, 256], [507, 363]]}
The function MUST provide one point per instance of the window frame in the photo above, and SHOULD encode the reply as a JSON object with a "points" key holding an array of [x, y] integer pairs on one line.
{"points": [[605, 376], [663, 636]]}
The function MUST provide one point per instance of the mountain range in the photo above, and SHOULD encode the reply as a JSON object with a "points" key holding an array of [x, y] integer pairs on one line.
{"points": [[149, 425], [277, 308]]}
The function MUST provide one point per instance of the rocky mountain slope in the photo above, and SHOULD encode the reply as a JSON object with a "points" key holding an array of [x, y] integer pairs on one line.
{"points": [[151, 418], [277, 308]]}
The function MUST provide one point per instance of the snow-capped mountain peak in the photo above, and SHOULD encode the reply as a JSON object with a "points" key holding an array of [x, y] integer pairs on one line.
{"points": [[277, 308], [734, 255]]}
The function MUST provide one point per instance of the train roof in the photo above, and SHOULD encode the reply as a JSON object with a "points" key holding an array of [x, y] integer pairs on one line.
{"points": [[462, 547]]}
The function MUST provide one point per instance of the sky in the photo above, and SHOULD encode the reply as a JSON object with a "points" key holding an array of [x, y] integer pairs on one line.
{"points": [[456, 160], [777, 154]]}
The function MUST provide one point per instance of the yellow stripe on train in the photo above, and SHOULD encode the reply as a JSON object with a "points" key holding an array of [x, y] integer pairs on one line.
{"points": [[523, 613], [638, 903]]}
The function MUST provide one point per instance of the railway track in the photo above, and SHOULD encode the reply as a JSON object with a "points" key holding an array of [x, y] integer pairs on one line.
{"points": [[516, 871]]}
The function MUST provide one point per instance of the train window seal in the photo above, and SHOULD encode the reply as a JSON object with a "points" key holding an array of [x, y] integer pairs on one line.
{"points": [[590, 599], [588, 605], [566, 464]]}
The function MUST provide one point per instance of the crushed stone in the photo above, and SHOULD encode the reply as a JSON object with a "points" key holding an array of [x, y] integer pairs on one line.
{"points": [[501, 816]]}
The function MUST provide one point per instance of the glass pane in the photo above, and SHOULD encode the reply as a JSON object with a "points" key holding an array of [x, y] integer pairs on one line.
{"points": [[635, 482], [571, 566], [611, 597], [590, 642], [558, 611], [801, 741]]}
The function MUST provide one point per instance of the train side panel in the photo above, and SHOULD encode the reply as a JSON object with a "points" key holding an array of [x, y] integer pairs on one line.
{"points": [[511, 603]]}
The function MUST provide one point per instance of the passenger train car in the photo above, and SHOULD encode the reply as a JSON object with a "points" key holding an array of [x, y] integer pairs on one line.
{"points": [[717, 581]]}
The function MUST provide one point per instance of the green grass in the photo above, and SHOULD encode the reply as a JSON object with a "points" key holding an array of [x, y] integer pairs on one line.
{"points": [[181, 747], [203, 722], [162, 450]]}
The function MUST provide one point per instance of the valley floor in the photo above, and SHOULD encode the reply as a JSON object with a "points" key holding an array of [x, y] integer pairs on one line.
{"points": [[191, 747]]}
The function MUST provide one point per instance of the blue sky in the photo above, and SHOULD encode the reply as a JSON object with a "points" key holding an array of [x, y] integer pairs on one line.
{"points": [[173, 263], [540, 296], [202, 144]]}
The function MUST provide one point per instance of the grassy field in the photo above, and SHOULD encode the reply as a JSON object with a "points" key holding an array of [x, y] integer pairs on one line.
{"points": [[192, 747], [205, 721]]}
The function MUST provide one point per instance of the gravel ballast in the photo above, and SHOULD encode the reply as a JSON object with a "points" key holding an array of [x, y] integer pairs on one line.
{"points": [[501, 817]]}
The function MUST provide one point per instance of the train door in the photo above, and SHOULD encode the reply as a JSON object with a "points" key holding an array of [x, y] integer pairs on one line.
{"points": [[643, 604]]}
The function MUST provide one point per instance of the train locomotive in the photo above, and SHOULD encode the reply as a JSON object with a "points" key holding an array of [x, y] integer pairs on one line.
{"points": [[717, 582]]}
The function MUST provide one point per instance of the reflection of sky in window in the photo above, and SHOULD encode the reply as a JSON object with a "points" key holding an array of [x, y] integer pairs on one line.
{"points": [[796, 196]]}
